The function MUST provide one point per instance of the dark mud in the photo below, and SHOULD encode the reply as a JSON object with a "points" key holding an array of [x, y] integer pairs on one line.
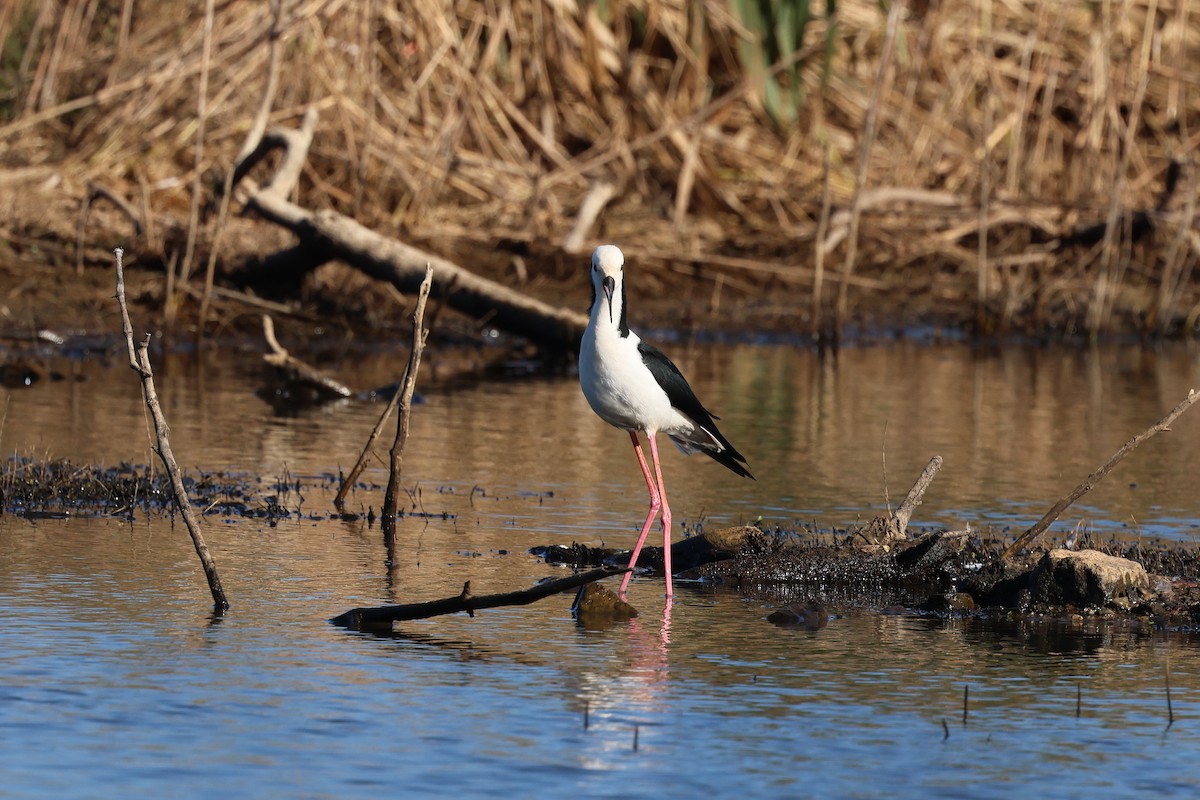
{"points": [[56, 489], [936, 572], [802, 571]]}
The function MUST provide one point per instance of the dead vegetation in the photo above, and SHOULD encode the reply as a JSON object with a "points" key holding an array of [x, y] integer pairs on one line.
{"points": [[1032, 165]]}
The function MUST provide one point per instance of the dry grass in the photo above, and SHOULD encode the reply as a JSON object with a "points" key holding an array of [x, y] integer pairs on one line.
{"points": [[1003, 131]]}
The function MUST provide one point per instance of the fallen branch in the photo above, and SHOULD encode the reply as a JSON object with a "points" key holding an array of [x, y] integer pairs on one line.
{"points": [[1091, 480], [139, 362], [359, 618], [335, 235], [295, 372]]}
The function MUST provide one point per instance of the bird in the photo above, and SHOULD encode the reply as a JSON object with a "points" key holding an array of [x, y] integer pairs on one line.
{"points": [[634, 386]]}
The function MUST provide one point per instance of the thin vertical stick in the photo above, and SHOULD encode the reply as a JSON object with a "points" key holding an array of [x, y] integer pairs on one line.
{"points": [[1170, 709], [864, 158], [419, 334], [253, 138], [139, 362], [201, 117], [822, 230], [983, 288]]}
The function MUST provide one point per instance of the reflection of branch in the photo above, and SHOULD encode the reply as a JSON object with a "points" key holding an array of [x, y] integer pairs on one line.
{"points": [[359, 618], [1091, 480], [139, 361]]}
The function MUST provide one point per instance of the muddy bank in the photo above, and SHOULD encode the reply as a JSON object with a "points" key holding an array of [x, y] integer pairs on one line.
{"points": [[812, 573], [58, 489], [809, 573]]}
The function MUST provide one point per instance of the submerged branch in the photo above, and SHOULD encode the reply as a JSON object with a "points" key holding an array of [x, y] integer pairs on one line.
{"points": [[359, 618]]}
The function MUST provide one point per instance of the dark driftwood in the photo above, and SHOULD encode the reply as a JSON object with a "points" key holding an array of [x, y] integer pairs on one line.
{"points": [[1091, 480], [139, 361], [335, 235], [359, 618], [296, 372]]}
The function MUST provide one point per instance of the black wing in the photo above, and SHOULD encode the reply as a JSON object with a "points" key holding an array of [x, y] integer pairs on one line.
{"points": [[683, 398]]}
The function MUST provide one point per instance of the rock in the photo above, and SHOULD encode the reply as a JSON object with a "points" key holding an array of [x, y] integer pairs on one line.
{"points": [[811, 615], [596, 606], [1088, 578], [952, 602]]}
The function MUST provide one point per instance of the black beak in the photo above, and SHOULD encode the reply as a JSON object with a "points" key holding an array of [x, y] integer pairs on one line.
{"points": [[609, 286]]}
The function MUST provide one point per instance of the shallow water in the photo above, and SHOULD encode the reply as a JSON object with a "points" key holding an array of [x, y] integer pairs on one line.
{"points": [[114, 681]]}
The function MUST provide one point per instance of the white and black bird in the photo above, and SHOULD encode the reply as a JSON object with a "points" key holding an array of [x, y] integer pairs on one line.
{"points": [[635, 387]]}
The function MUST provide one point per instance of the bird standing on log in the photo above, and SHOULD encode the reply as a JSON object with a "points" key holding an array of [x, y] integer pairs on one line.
{"points": [[633, 386]]}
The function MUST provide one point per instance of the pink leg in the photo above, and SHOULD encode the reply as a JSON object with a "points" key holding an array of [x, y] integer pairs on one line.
{"points": [[655, 504], [666, 514]]}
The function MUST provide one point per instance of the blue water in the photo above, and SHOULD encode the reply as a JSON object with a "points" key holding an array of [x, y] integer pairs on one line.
{"points": [[115, 681]]}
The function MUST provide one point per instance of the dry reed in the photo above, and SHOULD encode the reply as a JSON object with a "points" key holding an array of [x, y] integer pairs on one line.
{"points": [[1020, 166]]}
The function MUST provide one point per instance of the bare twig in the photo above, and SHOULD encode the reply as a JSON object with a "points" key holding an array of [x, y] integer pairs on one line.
{"points": [[1091, 480], [893, 527], [905, 511], [348, 481], [359, 618], [405, 393], [139, 361]]}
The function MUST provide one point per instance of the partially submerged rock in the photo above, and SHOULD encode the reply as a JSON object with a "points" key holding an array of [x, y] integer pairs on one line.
{"points": [[1088, 578], [809, 615], [598, 605]]}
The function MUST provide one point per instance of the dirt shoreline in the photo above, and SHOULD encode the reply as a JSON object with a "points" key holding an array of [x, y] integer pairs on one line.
{"points": [[805, 572], [51, 297]]}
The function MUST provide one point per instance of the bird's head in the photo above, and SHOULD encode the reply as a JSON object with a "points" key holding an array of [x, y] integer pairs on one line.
{"points": [[608, 264]]}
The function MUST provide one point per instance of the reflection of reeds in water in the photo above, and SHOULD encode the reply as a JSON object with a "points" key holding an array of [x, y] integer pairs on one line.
{"points": [[1019, 167]]}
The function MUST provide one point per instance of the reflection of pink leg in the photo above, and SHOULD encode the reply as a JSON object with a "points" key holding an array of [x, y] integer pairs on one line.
{"points": [[666, 514], [655, 503]]}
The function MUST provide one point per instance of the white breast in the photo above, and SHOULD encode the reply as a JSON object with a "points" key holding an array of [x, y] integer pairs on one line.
{"points": [[618, 386]]}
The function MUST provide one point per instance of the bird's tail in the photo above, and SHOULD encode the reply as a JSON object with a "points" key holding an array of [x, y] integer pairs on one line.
{"points": [[719, 449]]}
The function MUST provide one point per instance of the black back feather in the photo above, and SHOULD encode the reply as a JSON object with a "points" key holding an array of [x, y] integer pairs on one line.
{"points": [[683, 398]]}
